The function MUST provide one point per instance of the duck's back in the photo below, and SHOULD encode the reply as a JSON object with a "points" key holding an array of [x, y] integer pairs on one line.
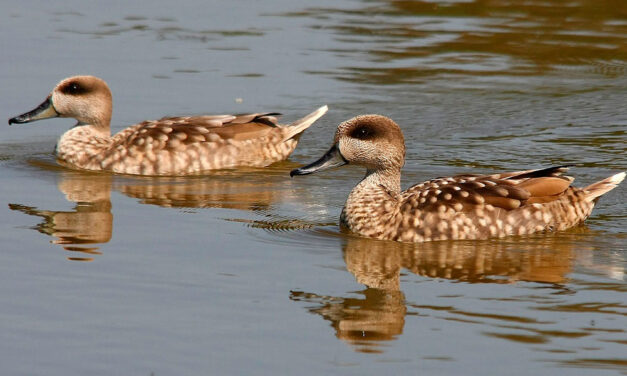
{"points": [[188, 145], [484, 206]]}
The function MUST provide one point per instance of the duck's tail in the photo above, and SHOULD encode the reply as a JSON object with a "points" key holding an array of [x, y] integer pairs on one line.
{"points": [[296, 128], [598, 189]]}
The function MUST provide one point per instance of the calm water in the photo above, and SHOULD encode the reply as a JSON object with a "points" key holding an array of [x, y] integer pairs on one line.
{"points": [[246, 272]]}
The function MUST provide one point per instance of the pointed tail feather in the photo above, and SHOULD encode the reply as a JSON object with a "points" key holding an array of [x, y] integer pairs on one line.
{"points": [[596, 190], [297, 127]]}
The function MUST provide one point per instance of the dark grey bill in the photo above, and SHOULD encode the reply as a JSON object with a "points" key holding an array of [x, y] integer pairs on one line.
{"points": [[332, 158], [43, 111]]}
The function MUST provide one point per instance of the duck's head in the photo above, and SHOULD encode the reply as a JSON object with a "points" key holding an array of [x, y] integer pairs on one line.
{"points": [[84, 98], [373, 141]]}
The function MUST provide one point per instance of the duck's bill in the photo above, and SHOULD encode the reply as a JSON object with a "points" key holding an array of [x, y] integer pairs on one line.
{"points": [[332, 158], [43, 111]]}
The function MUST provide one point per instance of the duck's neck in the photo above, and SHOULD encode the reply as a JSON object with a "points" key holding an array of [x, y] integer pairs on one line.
{"points": [[80, 145], [388, 178], [373, 204]]}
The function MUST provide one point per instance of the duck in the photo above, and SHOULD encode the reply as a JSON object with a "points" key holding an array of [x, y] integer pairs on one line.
{"points": [[169, 146], [469, 206]]}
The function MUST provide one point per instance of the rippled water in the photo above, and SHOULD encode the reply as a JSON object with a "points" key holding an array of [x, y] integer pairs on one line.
{"points": [[246, 271]]}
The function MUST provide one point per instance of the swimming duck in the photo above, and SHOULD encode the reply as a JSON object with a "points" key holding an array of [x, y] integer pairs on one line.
{"points": [[169, 146], [458, 207]]}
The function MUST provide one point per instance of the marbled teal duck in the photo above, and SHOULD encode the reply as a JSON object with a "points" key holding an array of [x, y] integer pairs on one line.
{"points": [[169, 146], [458, 207]]}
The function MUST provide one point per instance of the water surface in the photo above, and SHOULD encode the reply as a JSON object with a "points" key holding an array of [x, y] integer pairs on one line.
{"points": [[245, 271]]}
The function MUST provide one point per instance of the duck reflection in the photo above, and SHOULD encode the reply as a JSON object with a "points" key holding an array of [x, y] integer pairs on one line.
{"points": [[228, 191], [366, 321], [90, 222], [378, 314], [545, 258]]}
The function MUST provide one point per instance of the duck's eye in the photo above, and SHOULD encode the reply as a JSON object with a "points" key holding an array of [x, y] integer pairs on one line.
{"points": [[362, 133]]}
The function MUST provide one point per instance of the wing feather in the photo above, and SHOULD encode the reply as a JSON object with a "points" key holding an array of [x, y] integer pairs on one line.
{"points": [[508, 191]]}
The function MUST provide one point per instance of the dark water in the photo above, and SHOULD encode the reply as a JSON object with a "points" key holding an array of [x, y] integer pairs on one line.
{"points": [[246, 272]]}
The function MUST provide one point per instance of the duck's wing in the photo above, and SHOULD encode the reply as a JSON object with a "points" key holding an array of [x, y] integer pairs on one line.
{"points": [[482, 206], [222, 121], [174, 132], [507, 191]]}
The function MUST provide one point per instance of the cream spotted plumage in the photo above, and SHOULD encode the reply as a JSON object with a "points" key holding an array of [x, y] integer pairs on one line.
{"points": [[169, 146], [458, 207]]}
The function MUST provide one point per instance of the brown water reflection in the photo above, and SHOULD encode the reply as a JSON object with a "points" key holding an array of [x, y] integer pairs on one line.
{"points": [[545, 259], [421, 39], [91, 220], [378, 314], [363, 322]]}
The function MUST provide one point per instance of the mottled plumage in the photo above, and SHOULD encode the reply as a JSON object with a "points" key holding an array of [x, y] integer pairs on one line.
{"points": [[458, 207], [169, 146]]}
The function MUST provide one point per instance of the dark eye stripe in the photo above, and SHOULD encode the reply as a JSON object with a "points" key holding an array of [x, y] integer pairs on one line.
{"points": [[363, 133], [74, 88]]}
